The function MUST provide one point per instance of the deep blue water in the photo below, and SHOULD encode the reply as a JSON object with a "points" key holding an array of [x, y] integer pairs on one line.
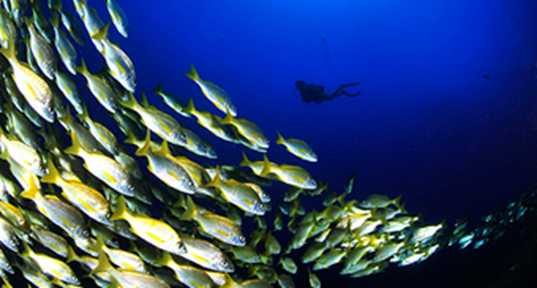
{"points": [[427, 125]]}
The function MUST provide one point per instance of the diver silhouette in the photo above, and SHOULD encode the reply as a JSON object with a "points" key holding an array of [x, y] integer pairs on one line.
{"points": [[315, 93]]}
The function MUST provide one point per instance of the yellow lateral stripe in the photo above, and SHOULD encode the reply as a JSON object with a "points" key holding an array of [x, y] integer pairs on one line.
{"points": [[166, 129], [87, 206], [297, 178], [66, 222], [154, 237], [200, 258], [32, 91], [120, 67], [222, 233], [66, 87], [109, 177]]}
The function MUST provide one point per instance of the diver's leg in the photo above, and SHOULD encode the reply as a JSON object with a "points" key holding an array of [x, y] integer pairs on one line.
{"points": [[334, 94], [349, 94]]}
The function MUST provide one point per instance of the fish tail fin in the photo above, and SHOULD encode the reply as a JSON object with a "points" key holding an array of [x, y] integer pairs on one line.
{"points": [[28, 21], [380, 215], [180, 202], [57, 6], [228, 119], [245, 161], [53, 175], [76, 148], [341, 199], [190, 108], [216, 180], [229, 282], [26, 250], [66, 118], [266, 166], [158, 91], [131, 138], [99, 244], [191, 209], [164, 259], [144, 150], [280, 138], [33, 192], [121, 210], [397, 201], [193, 74], [9, 52], [84, 116], [102, 34], [71, 255], [144, 102], [131, 103], [55, 20], [82, 69], [103, 264], [402, 209]]}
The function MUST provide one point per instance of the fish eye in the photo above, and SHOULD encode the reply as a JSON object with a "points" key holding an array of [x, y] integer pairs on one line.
{"points": [[85, 234], [224, 263], [242, 239]]}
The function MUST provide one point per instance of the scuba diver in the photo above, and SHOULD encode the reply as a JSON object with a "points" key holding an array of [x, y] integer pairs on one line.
{"points": [[315, 93]]}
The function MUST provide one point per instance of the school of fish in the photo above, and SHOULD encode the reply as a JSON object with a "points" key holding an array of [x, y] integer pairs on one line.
{"points": [[81, 212]]}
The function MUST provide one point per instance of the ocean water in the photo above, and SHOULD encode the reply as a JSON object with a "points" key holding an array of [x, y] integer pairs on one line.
{"points": [[427, 125], [447, 114]]}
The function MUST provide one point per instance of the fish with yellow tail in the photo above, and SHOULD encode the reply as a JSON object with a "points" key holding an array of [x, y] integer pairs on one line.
{"points": [[99, 88], [160, 123], [34, 88], [298, 148], [214, 93], [215, 225], [65, 48], [238, 194], [118, 17], [206, 255], [103, 167], [292, 175], [155, 232], [104, 136], [186, 274], [127, 278], [41, 50], [249, 130], [118, 62], [85, 198], [22, 154], [63, 215], [212, 123], [50, 266], [176, 103], [164, 166]]}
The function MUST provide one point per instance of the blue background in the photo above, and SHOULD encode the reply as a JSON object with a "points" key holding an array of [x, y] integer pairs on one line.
{"points": [[427, 125]]}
